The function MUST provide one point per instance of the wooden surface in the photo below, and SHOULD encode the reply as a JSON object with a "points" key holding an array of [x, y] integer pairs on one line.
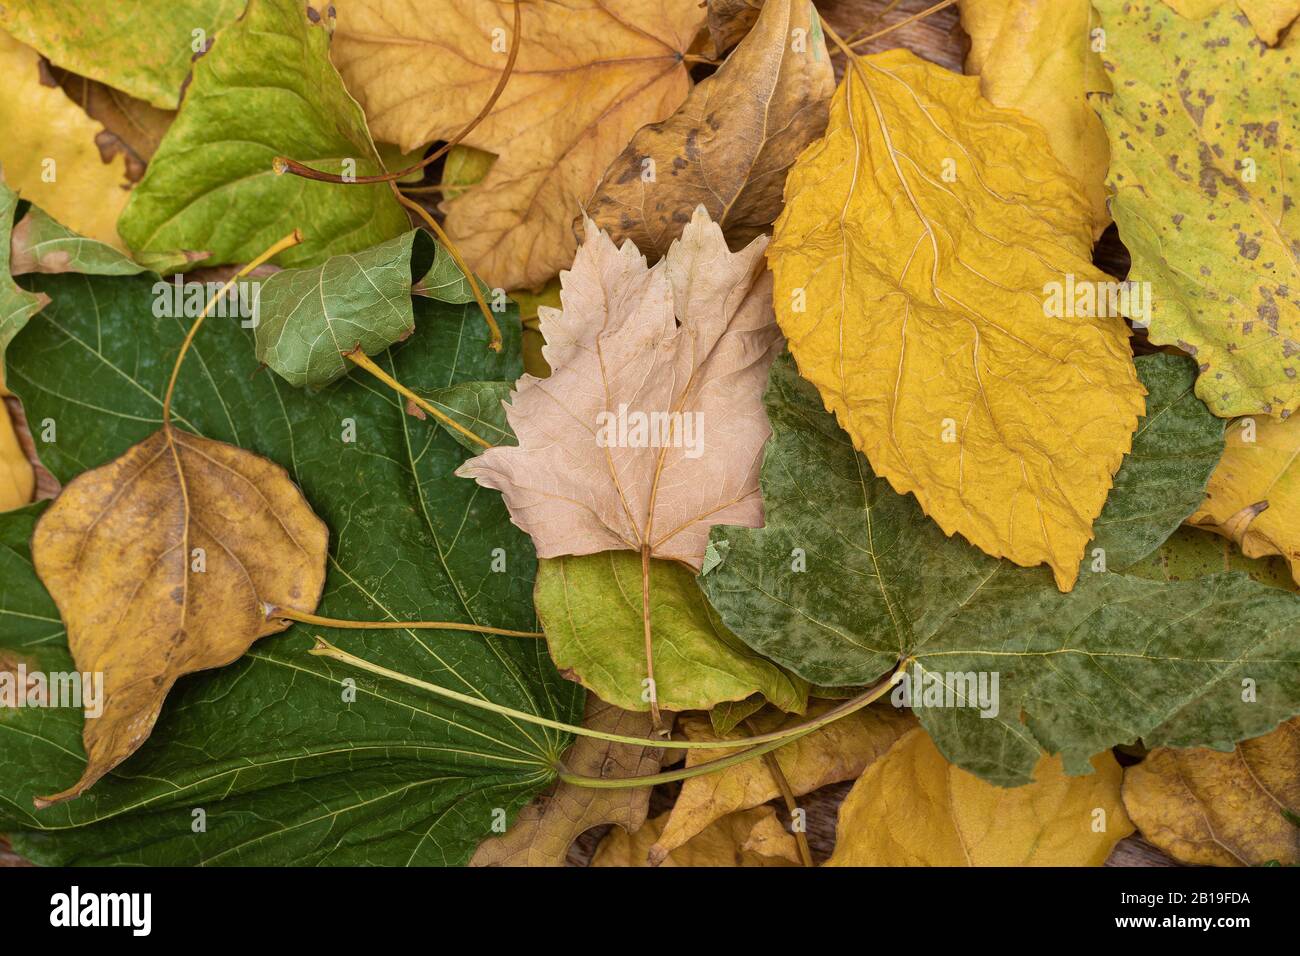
{"points": [[939, 39]]}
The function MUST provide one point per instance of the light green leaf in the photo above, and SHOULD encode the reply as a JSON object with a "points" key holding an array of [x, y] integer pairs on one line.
{"points": [[16, 305], [42, 244], [1191, 553], [265, 89], [590, 608], [286, 767], [142, 47], [1203, 171], [477, 406], [445, 282], [1116, 659]]}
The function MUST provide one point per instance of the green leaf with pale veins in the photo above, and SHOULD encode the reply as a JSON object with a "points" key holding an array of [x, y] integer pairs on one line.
{"points": [[16, 305], [287, 770], [477, 406], [590, 608], [1116, 659], [141, 47], [1204, 172], [42, 244], [265, 89]]}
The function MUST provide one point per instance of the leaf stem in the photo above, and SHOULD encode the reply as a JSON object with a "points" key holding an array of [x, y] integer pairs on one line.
{"points": [[275, 612], [493, 328], [921, 15], [791, 803], [275, 249], [655, 720], [359, 357], [283, 164], [324, 648]]}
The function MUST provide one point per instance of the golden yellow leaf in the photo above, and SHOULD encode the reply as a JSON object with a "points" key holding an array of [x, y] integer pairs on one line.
{"points": [[162, 563], [1036, 56], [839, 751], [914, 263], [1221, 809], [1254, 493], [49, 150], [589, 75], [17, 477], [1268, 17], [543, 831], [749, 838], [913, 808]]}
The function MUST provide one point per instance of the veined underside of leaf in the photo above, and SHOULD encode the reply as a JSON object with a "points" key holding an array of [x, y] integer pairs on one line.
{"points": [[589, 74], [1076, 673], [1204, 167], [162, 563], [17, 305], [913, 263], [729, 145], [288, 765]]}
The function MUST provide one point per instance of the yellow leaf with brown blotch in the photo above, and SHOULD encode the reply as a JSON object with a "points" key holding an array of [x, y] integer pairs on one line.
{"points": [[927, 286], [750, 838], [913, 808], [839, 751], [1268, 17], [544, 829], [50, 151], [588, 76], [1037, 56], [728, 146], [17, 477], [162, 563], [730, 20], [1253, 496], [1212, 808]]}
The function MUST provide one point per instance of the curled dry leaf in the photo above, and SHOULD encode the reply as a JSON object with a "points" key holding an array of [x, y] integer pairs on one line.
{"points": [[1254, 494], [543, 831], [56, 163], [912, 264], [1038, 57], [750, 838], [162, 563], [729, 145], [588, 76], [1203, 194], [730, 20], [913, 808], [650, 428], [839, 751], [1221, 809]]}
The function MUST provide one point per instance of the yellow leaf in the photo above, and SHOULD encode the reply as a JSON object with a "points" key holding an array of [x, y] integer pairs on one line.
{"points": [[162, 563], [589, 75], [1268, 17], [1036, 56], [49, 151], [17, 477], [913, 808], [750, 838], [544, 829], [915, 265], [839, 751], [1221, 809], [1254, 493]]}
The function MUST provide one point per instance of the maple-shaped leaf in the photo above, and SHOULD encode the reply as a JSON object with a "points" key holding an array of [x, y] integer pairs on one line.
{"points": [[1204, 171], [589, 74], [650, 428], [848, 580], [914, 264]]}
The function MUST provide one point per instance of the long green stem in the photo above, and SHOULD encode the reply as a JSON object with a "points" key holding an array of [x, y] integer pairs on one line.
{"points": [[324, 648], [358, 357], [289, 614]]}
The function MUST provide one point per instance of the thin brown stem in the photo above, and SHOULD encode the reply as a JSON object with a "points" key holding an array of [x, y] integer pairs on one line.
{"points": [[493, 329], [791, 804], [292, 239], [928, 11], [358, 357], [274, 612], [283, 164]]}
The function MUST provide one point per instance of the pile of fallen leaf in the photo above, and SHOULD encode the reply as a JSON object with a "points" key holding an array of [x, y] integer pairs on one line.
{"points": [[477, 423]]}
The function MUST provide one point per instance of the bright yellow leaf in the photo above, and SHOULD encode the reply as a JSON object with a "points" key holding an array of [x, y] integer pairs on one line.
{"points": [[916, 260], [1268, 17], [751, 838], [1036, 56], [913, 808], [1213, 808], [1254, 493], [17, 479], [49, 153], [589, 75]]}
